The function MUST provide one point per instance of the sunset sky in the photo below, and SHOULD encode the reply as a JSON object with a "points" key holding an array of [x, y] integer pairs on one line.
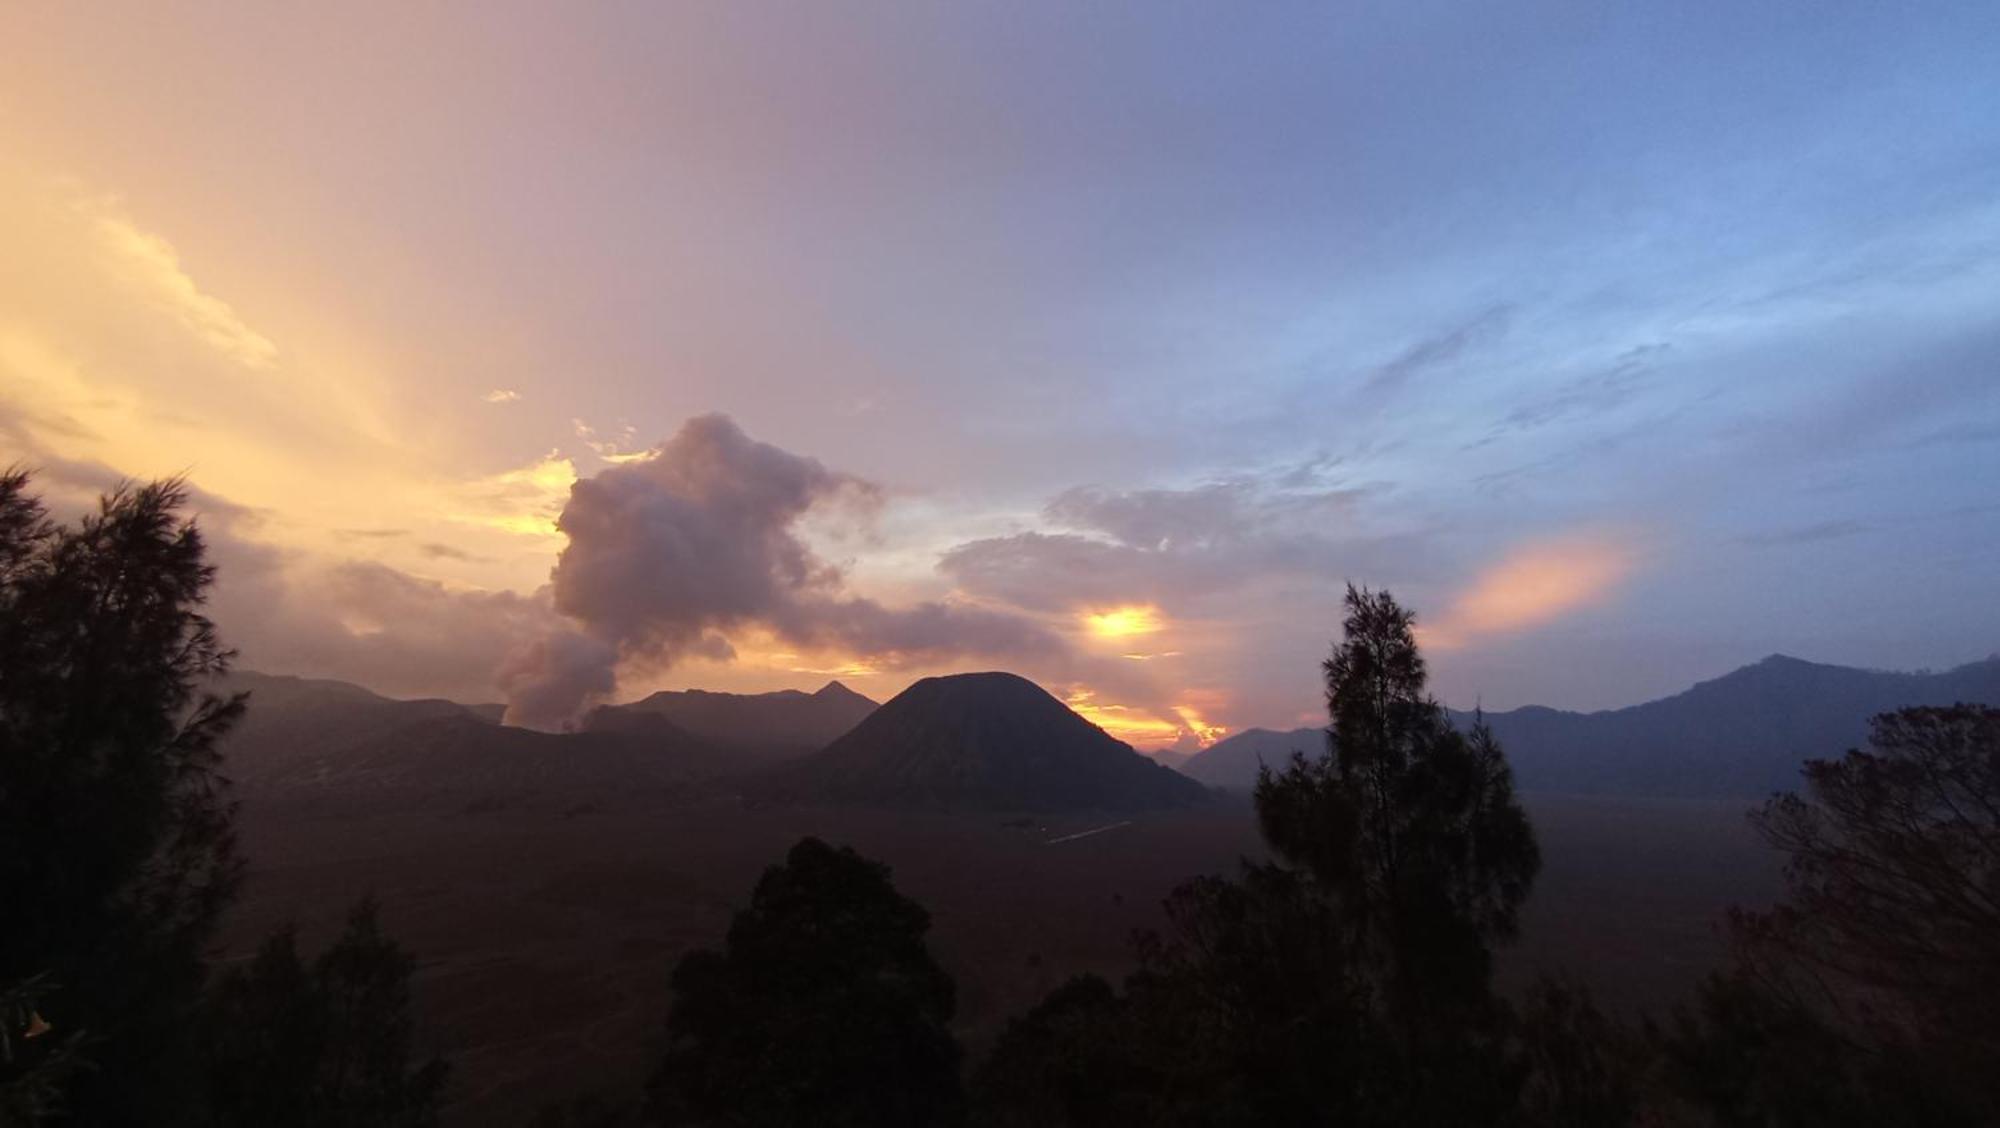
{"points": [[1103, 343]]}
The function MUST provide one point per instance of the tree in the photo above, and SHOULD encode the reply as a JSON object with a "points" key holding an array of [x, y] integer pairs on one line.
{"points": [[34, 1060], [1411, 825], [1580, 1068], [116, 851], [1071, 1060], [823, 1008], [1881, 965], [320, 1047], [1349, 981]]}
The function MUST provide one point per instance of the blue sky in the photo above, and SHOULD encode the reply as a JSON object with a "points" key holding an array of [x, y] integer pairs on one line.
{"points": [[1629, 343]]}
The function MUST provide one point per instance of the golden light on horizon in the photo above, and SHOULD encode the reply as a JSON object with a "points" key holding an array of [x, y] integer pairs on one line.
{"points": [[1124, 622], [1204, 733], [1137, 725]]}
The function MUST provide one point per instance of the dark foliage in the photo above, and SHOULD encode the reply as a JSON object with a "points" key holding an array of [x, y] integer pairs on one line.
{"points": [[1412, 826], [591, 1111], [1579, 1067], [35, 1060], [1350, 981], [1870, 994], [116, 855], [326, 1046], [117, 858], [1411, 831], [824, 1008], [1070, 1060]]}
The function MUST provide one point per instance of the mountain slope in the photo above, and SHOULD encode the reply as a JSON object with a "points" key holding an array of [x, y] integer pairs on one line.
{"points": [[1232, 762], [1744, 734], [989, 741], [306, 737], [762, 726]]}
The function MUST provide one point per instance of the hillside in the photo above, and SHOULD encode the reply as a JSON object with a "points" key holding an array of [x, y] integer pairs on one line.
{"points": [[1740, 735], [307, 737], [1743, 734], [763, 727], [990, 741], [1232, 761]]}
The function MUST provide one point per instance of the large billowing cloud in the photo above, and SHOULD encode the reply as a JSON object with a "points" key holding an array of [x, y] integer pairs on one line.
{"points": [[670, 554]]}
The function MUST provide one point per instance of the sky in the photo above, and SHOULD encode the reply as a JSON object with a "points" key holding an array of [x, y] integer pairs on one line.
{"points": [[559, 353]]}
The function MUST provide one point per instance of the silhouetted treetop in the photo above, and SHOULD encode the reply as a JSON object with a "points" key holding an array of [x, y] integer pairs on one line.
{"points": [[325, 1045], [116, 854], [824, 1007], [1889, 932], [1413, 825]]}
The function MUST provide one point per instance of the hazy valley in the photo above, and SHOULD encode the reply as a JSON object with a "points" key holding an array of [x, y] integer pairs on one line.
{"points": [[549, 882]]}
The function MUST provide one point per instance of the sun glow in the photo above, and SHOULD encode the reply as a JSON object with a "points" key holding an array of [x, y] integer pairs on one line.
{"points": [[1204, 732], [1140, 726], [1124, 622]]}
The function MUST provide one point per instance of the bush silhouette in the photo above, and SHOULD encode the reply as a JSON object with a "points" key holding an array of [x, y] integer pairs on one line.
{"points": [[824, 1007]]}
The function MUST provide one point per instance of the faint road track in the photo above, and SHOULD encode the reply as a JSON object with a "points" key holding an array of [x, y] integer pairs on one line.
{"points": [[1087, 833]]}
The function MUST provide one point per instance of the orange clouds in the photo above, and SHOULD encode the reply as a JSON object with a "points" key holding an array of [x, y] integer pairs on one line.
{"points": [[1532, 585], [1124, 622], [1144, 727]]}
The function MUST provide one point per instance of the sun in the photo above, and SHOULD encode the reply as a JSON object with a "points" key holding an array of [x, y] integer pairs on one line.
{"points": [[1123, 622]]}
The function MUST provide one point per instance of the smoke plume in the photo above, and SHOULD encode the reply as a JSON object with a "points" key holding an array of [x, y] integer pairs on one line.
{"points": [[669, 554]]}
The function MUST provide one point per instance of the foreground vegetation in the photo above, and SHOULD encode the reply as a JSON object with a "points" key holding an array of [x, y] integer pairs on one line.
{"points": [[1350, 980], [1347, 980], [117, 860]]}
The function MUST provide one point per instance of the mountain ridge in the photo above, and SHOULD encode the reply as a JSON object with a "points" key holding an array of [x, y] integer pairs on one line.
{"points": [[762, 727], [1743, 734], [982, 741]]}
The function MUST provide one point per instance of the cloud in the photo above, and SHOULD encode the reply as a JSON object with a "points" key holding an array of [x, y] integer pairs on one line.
{"points": [[380, 626], [523, 501], [619, 447], [110, 353], [1807, 534], [1593, 394], [290, 611], [671, 554], [433, 550], [1532, 585], [1167, 546], [150, 263], [1436, 351], [502, 395], [1185, 598]]}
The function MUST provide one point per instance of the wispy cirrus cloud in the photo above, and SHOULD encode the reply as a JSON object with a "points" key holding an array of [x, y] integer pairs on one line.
{"points": [[149, 263], [1806, 534]]}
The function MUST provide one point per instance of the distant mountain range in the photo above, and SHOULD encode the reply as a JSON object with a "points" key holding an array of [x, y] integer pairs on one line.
{"points": [[971, 742], [990, 741], [762, 727], [999, 742], [304, 736], [1744, 734]]}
